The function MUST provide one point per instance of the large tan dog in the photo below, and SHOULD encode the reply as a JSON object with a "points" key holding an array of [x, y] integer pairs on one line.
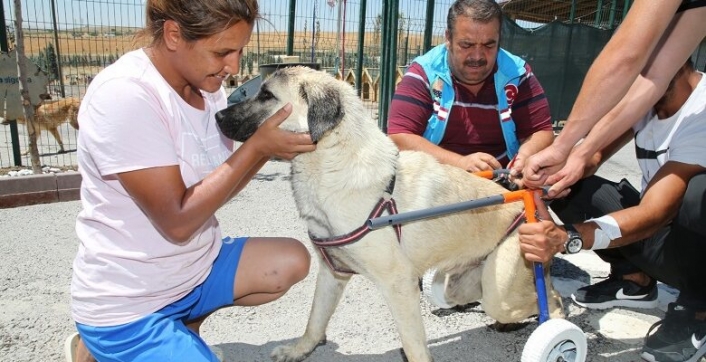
{"points": [[51, 114], [338, 185]]}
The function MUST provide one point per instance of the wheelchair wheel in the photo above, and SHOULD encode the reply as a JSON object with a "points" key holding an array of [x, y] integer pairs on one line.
{"points": [[433, 285], [556, 340]]}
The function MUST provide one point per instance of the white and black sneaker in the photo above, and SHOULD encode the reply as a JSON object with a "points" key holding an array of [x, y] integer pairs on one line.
{"points": [[680, 337], [617, 292]]}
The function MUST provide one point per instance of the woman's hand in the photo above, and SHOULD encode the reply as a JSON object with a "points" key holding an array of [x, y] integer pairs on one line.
{"points": [[270, 140]]}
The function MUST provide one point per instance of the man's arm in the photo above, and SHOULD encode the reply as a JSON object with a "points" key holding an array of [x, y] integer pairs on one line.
{"points": [[683, 34], [658, 206], [408, 141], [533, 121], [616, 67], [595, 162], [410, 110]]}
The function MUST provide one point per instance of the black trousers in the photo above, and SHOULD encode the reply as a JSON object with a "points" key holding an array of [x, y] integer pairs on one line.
{"points": [[674, 255]]}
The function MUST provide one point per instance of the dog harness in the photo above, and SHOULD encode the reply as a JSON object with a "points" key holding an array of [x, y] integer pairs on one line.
{"points": [[386, 203], [511, 70]]}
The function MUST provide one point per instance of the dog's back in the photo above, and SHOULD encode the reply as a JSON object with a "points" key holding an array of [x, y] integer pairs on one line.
{"points": [[52, 114]]}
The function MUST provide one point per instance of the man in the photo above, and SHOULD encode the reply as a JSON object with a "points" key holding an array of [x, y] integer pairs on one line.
{"points": [[658, 235], [629, 75], [469, 102]]}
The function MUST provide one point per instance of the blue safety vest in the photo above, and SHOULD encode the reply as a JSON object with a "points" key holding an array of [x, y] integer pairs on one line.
{"points": [[507, 79]]}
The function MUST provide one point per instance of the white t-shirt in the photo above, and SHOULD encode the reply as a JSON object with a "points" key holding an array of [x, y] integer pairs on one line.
{"points": [[132, 119], [687, 129]]}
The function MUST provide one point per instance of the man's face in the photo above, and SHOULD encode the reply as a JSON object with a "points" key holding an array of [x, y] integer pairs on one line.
{"points": [[473, 49]]}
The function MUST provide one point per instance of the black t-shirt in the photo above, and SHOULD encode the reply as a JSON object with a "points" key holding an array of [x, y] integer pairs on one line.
{"points": [[691, 4]]}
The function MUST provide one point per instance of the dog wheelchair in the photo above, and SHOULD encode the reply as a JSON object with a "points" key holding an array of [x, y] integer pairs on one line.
{"points": [[555, 340]]}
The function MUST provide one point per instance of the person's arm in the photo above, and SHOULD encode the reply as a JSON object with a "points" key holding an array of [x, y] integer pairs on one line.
{"points": [[616, 67], [408, 141], [658, 206], [533, 121], [599, 158], [673, 44], [179, 212], [684, 34], [533, 144], [410, 110]]}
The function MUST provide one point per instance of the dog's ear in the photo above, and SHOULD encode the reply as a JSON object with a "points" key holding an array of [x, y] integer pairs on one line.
{"points": [[325, 109]]}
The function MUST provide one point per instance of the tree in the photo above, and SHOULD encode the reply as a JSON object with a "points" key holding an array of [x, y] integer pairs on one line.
{"points": [[47, 60]]}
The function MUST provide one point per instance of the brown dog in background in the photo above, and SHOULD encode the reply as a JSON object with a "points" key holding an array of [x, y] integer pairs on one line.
{"points": [[51, 114]]}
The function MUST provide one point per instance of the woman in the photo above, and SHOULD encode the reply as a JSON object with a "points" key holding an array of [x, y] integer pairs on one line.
{"points": [[152, 263]]}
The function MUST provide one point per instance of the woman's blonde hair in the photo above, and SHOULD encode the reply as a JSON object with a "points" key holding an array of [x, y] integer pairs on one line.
{"points": [[197, 19]]}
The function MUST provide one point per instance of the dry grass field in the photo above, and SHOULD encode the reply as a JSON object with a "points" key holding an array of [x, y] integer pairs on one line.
{"points": [[117, 45]]}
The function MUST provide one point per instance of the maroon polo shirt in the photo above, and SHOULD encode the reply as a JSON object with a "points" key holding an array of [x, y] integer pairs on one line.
{"points": [[473, 125]]}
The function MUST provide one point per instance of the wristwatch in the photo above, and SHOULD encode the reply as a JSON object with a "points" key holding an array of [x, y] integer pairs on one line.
{"points": [[574, 243]]}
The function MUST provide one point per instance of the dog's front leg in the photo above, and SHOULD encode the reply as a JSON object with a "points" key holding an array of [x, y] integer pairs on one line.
{"points": [[400, 289], [329, 289]]}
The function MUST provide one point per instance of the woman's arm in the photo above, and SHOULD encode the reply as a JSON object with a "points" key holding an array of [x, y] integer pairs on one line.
{"points": [[179, 212]]}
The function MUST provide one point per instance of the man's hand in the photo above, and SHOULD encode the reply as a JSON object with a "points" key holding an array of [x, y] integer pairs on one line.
{"points": [[478, 161], [541, 240], [541, 165], [572, 171]]}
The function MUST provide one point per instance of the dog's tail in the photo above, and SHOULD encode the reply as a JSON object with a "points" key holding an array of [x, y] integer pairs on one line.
{"points": [[73, 113]]}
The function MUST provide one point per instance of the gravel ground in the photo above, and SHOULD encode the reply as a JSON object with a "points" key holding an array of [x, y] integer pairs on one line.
{"points": [[39, 243]]}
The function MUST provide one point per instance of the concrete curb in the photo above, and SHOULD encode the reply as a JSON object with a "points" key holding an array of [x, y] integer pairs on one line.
{"points": [[39, 189]]}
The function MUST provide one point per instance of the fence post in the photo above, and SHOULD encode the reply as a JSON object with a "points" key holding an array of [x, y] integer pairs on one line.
{"points": [[613, 6], [361, 47], [599, 14], [14, 133], [388, 68], [290, 27], [58, 51], [428, 25]]}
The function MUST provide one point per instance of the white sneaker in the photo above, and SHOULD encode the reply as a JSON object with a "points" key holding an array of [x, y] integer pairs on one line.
{"points": [[70, 346]]}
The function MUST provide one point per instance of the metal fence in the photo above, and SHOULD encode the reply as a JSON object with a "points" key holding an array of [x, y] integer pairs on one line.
{"points": [[367, 43]]}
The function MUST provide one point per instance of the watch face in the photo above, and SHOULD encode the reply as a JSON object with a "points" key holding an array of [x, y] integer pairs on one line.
{"points": [[574, 245]]}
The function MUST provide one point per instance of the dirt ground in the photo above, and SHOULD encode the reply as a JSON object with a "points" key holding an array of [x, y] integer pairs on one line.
{"points": [[38, 244]]}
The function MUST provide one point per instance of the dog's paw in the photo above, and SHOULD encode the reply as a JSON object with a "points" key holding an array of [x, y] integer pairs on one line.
{"points": [[508, 327], [287, 353], [293, 352]]}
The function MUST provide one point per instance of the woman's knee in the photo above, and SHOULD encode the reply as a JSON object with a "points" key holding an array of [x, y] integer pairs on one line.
{"points": [[296, 260]]}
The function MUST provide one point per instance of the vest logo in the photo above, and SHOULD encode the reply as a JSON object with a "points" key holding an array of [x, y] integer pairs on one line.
{"points": [[511, 93]]}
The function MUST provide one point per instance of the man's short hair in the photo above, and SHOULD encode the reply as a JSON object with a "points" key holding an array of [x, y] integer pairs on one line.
{"points": [[483, 11]]}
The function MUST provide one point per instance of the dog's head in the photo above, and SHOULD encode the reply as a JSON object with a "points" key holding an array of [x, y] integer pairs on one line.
{"points": [[315, 97]]}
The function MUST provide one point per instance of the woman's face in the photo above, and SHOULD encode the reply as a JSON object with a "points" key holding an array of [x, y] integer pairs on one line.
{"points": [[205, 63]]}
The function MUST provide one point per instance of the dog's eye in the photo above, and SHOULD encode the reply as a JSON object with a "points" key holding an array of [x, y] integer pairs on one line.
{"points": [[265, 95]]}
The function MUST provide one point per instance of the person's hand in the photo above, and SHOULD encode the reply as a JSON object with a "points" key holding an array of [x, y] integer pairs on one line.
{"points": [[541, 165], [478, 161], [572, 171], [516, 166], [270, 140], [541, 240]]}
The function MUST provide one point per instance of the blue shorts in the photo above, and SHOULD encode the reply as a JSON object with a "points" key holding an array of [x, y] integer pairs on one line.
{"points": [[163, 335]]}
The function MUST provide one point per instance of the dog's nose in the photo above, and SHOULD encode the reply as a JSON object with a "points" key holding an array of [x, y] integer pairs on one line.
{"points": [[220, 116]]}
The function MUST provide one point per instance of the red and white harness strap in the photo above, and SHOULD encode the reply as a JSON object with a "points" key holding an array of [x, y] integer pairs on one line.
{"points": [[386, 203]]}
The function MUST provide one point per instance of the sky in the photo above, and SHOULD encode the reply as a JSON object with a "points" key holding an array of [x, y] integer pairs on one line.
{"points": [[72, 14], [130, 13]]}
